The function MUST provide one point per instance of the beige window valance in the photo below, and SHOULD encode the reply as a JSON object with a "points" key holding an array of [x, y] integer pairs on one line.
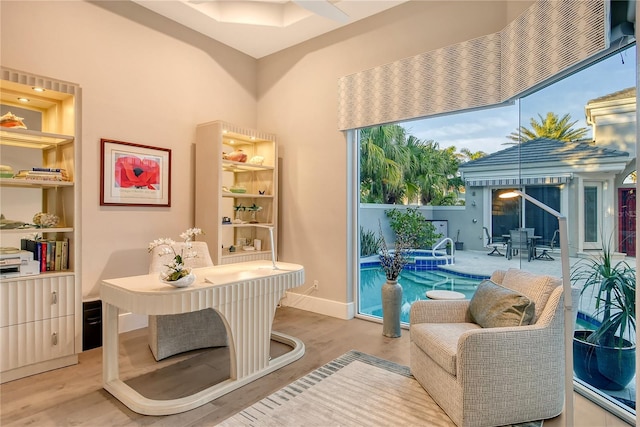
{"points": [[547, 39]]}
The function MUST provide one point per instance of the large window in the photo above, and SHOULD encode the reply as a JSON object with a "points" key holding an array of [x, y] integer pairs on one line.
{"points": [[573, 162]]}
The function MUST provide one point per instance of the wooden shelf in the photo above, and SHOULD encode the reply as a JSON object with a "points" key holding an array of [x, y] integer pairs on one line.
{"points": [[34, 230], [33, 183], [32, 138], [231, 166], [247, 195]]}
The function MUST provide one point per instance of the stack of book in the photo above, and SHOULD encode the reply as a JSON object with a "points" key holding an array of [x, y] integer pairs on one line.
{"points": [[53, 255], [43, 174]]}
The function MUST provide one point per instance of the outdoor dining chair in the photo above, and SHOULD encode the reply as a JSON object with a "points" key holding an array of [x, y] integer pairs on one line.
{"points": [[519, 241], [547, 249]]}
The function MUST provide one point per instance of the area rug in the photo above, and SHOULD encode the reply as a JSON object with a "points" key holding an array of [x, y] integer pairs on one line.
{"points": [[355, 389]]}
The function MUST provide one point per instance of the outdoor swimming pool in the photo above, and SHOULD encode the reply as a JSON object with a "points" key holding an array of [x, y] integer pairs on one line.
{"points": [[415, 283]]}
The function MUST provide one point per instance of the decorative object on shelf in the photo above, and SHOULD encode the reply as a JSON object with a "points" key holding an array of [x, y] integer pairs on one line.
{"points": [[6, 171], [45, 220], [239, 208], [10, 120], [392, 262], [176, 269], [257, 160], [238, 189], [261, 192], [133, 174], [254, 209], [248, 248], [235, 156], [606, 357], [6, 224]]}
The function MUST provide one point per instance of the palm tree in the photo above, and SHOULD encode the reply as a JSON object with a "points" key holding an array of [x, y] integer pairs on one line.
{"points": [[396, 168], [383, 159], [549, 127], [468, 155]]}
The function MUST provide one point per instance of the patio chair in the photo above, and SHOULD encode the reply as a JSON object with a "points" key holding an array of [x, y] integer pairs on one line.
{"points": [[170, 334], [490, 244], [519, 242], [547, 249]]}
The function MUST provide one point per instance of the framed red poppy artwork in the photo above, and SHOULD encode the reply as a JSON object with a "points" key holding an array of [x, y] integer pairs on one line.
{"points": [[134, 174]]}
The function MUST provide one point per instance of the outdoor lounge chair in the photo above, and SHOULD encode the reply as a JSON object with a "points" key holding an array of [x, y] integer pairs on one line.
{"points": [[490, 244], [490, 374], [170, 334]]}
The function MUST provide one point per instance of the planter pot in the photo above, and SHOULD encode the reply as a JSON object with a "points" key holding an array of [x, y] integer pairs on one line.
{"points": [[183, 282], [459, 246], [391, 306], [606, 368]]}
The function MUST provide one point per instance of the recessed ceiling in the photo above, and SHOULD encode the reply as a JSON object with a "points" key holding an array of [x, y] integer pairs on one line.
{"points": [[262, 27]]}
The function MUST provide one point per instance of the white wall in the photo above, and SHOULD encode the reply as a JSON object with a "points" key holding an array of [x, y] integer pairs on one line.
{"points": [[298, 101], [144, 80], [148, 80]]}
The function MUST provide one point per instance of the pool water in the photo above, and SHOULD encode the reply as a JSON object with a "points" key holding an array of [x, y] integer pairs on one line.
{"points": [[414, 286]]}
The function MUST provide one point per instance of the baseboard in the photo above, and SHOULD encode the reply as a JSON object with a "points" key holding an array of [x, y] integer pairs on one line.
{"points": [[319, 305], [131, 321]]}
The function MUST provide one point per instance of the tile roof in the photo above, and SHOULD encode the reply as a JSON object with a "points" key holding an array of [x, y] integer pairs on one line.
{"points": [[544, 150], [629, 92]]}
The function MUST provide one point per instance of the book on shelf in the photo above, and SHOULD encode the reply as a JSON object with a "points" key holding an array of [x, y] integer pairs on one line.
{"points": [[44, 174], [53, 255]]}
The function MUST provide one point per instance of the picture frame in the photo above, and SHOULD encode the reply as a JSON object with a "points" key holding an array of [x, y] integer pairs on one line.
{"points": [[134, 174]]}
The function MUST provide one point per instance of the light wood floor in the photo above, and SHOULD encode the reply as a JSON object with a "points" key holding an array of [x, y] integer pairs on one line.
{"points": [[74, 395]]}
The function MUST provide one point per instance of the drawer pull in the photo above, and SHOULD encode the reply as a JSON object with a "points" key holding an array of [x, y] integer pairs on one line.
{"points": [[54, 338], [54, 297]]}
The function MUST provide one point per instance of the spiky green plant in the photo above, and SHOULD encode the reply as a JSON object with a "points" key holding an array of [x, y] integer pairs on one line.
{"points": [[615, 285], [368, 242]]}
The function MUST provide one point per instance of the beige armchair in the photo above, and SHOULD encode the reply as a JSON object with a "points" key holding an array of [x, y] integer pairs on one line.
{"points": [[176, 333], [492, 376]]}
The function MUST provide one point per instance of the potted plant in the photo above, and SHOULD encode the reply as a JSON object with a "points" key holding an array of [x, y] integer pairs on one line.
{"points": [[392, 263], [605, 357], [459, 244]]}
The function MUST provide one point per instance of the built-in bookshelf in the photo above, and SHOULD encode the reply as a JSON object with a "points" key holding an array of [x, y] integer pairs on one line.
{"points": [[236, 191], [40, 291]]}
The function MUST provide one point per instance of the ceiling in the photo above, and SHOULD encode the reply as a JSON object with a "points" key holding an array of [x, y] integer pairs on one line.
{"points": [[262, 27]]}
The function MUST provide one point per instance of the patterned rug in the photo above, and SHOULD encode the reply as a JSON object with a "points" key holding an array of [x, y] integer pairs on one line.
{"points": [[355, 389]]}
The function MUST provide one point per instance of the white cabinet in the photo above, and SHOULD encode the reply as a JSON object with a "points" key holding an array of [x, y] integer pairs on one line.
{"points": [[40, 315], [236, 199]]}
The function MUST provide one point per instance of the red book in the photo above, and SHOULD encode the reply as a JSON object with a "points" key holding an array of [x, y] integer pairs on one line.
{"points": [[43, 256]]}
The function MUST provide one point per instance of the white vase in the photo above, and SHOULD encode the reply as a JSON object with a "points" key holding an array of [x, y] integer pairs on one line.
{"points": [[182, 282], [391, 308]]}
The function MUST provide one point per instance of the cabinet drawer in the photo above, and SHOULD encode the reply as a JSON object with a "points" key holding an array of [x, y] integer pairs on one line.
{"points": [[34, 342], [32, 299]]}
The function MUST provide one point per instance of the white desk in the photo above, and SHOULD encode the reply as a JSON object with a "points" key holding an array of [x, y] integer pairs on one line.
{"points": [[245, 294]]}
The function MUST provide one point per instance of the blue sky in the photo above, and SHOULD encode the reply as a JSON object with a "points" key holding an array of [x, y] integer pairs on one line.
{"points": [[486, 130]]}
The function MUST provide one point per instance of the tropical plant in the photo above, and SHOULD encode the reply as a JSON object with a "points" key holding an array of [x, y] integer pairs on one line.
{"points": [[615, 305], [397, 168], [410, 226], [368, 242], [550, 127]]}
